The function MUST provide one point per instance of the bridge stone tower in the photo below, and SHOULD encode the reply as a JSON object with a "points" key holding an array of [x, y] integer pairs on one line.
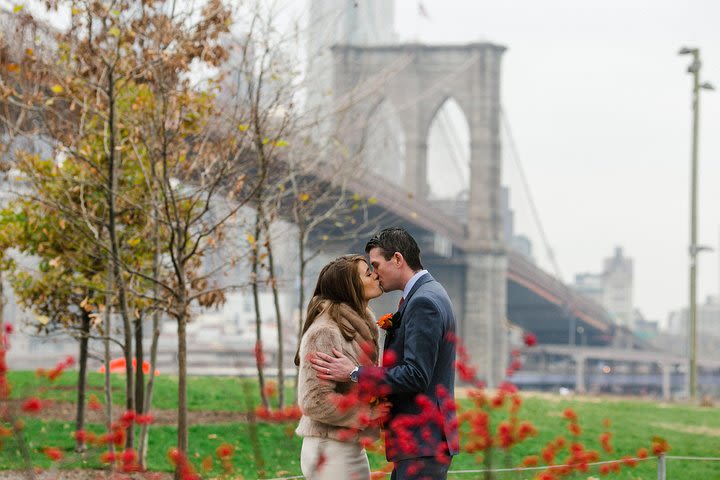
{"points": [[416, 80]]}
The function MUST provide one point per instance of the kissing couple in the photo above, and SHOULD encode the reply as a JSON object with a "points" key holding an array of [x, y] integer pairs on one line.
{"points": [[347, 394]]}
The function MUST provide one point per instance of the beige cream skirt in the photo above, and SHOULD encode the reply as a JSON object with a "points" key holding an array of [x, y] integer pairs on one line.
{"points": [[328, 459]]}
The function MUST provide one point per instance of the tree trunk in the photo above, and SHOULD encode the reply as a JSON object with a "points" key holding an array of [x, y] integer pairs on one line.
{"points": [[139, 374], [107, 321], [119, 281], [182, 443], [301, 302], [145, 430], [278, 319], [2, 310], [259, 360], [82, 379]]}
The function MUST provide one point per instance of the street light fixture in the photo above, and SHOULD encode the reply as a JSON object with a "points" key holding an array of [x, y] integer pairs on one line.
{"points": [[694, 69]]}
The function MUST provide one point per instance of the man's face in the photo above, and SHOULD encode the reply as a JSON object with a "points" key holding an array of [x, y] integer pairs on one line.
{"points": [[387, 270]]}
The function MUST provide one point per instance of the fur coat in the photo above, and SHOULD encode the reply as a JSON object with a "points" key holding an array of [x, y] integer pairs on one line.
{"points": [[318, 399]]}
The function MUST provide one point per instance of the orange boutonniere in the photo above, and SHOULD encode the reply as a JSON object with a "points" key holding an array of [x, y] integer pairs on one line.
{"points": [[385, 322]]}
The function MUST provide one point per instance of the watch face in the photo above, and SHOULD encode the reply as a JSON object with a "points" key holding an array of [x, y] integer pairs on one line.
{"points": [[354, 375]]}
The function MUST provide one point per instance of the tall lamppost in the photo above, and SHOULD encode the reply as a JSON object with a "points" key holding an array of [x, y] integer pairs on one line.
{"points": [[694, 69]]}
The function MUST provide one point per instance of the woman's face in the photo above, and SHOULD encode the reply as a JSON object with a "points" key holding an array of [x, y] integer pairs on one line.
{"points": [[371, 284]]}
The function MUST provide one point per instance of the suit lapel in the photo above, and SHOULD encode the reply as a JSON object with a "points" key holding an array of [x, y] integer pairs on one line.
{"points": [[420, 281]]}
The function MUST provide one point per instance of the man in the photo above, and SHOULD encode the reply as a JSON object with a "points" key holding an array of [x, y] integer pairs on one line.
{"points": [[421, 435]]}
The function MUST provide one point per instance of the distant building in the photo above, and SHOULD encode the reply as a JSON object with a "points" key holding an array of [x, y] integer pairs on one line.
{"points": [[518, 243], [331, 22], [708, 326], [644, 328], [613, 288]]}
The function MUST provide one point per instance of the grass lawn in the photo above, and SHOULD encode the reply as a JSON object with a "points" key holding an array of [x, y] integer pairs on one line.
{"points": [[690, 431]]}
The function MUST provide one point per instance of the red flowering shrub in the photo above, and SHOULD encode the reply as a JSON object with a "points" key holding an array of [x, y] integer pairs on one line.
{"points": [[493, 422]]}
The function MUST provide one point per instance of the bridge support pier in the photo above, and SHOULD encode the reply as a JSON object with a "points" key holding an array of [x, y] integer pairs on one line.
{"points": [[483, 328], [580, 373], [665, 369]]}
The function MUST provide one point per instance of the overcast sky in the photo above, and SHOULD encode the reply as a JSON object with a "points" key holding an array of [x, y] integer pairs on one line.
{"points": [[599, 106]]}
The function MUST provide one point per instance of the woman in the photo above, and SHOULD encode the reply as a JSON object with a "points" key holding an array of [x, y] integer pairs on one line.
{"points": [[335, 421]]}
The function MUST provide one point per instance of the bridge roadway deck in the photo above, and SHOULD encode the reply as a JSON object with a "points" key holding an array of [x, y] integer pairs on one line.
{"points": [[663, 372]]}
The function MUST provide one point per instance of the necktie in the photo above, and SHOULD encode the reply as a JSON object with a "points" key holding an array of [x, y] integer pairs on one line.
{"points": [[400, 303]]}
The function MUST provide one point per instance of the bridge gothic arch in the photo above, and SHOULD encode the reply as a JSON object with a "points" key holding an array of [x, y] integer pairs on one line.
{"points": [[383, 150], [448, 157]]}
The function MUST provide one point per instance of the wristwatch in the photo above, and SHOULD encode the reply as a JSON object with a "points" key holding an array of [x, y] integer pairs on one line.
{"points": [[354, 374]]}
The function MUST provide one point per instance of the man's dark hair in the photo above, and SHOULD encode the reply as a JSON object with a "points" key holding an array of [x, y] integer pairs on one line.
{"points": [[395, 239]]}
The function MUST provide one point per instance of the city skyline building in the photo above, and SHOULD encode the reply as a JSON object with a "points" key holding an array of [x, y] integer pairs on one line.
{"points": [[612, 288]]}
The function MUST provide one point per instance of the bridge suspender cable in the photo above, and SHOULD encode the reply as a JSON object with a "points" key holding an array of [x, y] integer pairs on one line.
{"points": [[528, 193], [453, 144]]}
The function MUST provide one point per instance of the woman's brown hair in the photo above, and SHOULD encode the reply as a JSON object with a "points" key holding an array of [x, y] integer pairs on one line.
{"points": [[338, 283]]}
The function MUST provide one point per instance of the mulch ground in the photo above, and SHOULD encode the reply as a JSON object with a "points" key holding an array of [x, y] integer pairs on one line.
{"points": [[84, 475], [65, 412]]}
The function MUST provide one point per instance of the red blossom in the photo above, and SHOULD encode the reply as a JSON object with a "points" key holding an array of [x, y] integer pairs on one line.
{"points": [[175, 456], [530, 461], [659, 446], [366, 442], [144, 419], [642, 453], [508, 388], [107, 457], [118, 437], [466, 372], [94, 403], [389, 358], [570, 414], [82, 436], [548, 454], [262, 412], [629, 461], [259, 355], [525, 430], [32, 405], [8, 328], [5, 387], [498, 400], [414, 468], [605, 441], [127, 419], [530, 339], [225, 450], [270, 389], [129, 460], [53, 453], [322, 459]]}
